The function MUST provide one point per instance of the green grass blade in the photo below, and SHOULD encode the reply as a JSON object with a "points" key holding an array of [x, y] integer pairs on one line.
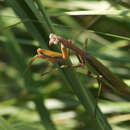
{"points": [[111, 35], [118, 13], [44, 114]]}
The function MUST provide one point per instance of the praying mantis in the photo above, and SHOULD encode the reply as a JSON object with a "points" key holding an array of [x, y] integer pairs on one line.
{"points": [[53, 56]]}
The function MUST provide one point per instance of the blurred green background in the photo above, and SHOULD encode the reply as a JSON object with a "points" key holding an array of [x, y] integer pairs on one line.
{"points": [[32, 101]]}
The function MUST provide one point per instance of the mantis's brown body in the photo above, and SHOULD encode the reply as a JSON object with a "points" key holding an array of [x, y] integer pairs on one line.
{"points": [[83, 57]]}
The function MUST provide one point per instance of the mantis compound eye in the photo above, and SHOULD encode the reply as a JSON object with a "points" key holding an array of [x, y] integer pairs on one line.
{"points": [[53, 39]]}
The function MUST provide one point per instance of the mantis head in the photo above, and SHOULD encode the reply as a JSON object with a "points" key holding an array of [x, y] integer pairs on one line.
{"points": [[54, 39]]}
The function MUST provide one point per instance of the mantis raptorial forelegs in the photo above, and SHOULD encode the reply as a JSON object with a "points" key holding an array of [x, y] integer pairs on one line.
{"points": [[53, 56]]}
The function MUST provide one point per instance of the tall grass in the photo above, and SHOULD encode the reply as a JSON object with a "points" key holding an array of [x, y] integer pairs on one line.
{"points": [[30, 86]]}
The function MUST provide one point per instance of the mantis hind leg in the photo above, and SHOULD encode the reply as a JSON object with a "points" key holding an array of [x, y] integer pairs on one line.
{"points": [[97, 77], [99, 80]]}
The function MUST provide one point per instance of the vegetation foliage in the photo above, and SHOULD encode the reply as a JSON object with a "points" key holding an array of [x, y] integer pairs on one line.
{"points": [[64, 99]]}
